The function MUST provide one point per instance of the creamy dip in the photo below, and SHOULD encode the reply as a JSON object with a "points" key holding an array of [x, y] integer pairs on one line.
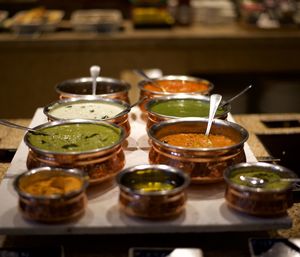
{"points": [[75, 137], [86, 110]]}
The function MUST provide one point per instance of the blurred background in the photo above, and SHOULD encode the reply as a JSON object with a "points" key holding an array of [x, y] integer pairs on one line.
{"points": [[231, 43]]}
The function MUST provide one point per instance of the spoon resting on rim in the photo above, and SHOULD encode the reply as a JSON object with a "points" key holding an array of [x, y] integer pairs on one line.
{"points": [[260, 182], [214, 102], [94, 71], [152, 81], [17, 126], [131, 106]]}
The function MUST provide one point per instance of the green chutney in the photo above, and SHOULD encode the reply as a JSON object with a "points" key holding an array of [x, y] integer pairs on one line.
{"points": [[75, 137], [184, 108], [272, 179]]}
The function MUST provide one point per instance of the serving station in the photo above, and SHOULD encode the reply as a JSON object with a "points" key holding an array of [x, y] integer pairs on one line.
{"points": [[205, 211]]}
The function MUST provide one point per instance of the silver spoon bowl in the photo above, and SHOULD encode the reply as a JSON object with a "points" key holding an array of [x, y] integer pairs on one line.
{"points": [[255, 181]]}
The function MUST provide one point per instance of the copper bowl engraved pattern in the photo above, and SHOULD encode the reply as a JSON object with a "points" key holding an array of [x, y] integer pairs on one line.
{"points": [[51, 208], [82, 87], [258, 201], [161, 204], [204, 165], [99, 164]]}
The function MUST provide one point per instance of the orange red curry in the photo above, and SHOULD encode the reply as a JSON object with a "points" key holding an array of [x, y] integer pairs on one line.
{"points": [[179, 86], [197, 140]]}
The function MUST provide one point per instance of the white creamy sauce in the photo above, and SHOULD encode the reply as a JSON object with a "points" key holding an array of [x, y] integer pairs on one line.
{"points": [[96, 110]]}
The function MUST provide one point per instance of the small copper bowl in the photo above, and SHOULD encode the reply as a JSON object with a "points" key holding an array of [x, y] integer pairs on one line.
{"points": [[40, 197], [204, 165], [268, 200], [82, 87], [152, 191], [173, 85], [99, 163], [181, 106], [93, 108]]}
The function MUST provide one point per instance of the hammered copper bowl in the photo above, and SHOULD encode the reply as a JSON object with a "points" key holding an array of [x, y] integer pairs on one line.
{"points": [[100, 163], [152, 191], [44, 205], [82, 87], [185, 105], [179, 85], [266, 200], [99, 109], [204, 165]]}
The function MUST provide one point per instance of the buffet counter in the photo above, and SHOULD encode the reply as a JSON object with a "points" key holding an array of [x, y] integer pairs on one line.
{"points": [[31, 64], [212, 244]]}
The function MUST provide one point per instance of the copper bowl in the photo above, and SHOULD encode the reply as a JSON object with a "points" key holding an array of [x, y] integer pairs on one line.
{"points": [[268, 200], [90, 108], [203, 87], [152, 191], [82, 87], [181, 106], [204, 165], [47, 195], [100, 163]]}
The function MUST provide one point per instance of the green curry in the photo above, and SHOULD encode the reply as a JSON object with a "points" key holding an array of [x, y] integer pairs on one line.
{"points": [[272, 179], [75, 137], [184, 108]]}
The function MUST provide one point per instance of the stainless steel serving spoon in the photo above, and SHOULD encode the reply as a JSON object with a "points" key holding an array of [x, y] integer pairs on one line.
{"points": [[236, 96], [260, 182], [17, 126], [152, 81], [94, 71], [214, 102], [131, 106]]}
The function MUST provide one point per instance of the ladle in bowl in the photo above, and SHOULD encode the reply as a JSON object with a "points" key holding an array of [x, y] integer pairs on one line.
{"points": [[17, 126], [152, 81], [255, 181], [131, 106], [214, 102], [94, 71]]}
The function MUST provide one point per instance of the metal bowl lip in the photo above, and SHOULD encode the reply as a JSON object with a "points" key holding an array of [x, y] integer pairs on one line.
{"points": [[76, 121], [178, 77], [161, 167], [157, 126], [264, 165], [185, 96], [90, 98], [58, 87], [71, 171]]}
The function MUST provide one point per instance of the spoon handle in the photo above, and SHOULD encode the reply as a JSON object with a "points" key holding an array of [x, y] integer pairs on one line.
{"points": [[12, 125], [237, 95], [94, 70], [214, 102]]}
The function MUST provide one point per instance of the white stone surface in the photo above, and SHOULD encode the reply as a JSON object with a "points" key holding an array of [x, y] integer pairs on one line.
{"points": [[206, 210]]}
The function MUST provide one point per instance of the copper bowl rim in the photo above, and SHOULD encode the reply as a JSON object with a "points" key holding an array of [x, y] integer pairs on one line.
{"points": [[75, 121], [59, 87], [89, 98], [157, 126], [210, 85], [72, 172], [263, 165], [185, 96], [159, 167]]}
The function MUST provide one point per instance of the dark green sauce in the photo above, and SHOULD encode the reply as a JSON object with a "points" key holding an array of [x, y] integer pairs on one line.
{"points": [[75, 137], [184, 108]]}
